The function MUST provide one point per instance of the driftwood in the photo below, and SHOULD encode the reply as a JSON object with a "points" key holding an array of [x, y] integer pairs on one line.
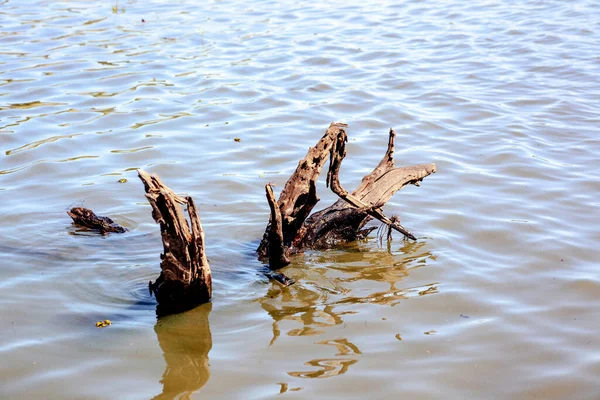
{"points": [[185, 280], [290, 228], [86, 218]]}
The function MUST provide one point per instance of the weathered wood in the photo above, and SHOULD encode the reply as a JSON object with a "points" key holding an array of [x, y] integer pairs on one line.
{"points": [[299, 195], [86, 218], [344, 220], [338, 153], [277, 250], [185, 280], [380, 185]]}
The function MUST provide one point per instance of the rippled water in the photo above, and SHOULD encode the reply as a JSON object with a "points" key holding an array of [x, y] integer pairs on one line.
{"points": [[499, 296]]}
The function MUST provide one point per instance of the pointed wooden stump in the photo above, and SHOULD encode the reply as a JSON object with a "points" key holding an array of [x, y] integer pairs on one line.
{"points": [[185, 280]]}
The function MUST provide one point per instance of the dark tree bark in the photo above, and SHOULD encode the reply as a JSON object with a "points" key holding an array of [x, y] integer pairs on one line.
{"points": [[277, 249], [299, 195], [344, 220], [185, 280], [86, 218]]}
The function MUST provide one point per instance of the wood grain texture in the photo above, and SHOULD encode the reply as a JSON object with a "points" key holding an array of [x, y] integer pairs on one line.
{"points": [[185, 280]]}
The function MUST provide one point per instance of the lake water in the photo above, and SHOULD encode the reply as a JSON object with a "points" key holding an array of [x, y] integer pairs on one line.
{"points": [[499, 296]]}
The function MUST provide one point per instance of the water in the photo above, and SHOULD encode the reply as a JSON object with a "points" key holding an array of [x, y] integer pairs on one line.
{"points": [[498, 297]]}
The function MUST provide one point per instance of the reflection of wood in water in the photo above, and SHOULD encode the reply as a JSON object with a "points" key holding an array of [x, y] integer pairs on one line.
{"points": [[327, 367], [344, 346], [312, 301], [331, 366], [185, 340], [321, 297]]}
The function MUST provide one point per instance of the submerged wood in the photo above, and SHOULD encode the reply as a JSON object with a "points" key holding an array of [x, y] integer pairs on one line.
{"points": [[299, 195], [277, 250], [87, 218], [185, 280], [343, 221], [298, 198]]}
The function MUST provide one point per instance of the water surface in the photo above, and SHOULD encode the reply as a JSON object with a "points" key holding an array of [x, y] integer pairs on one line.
{"points": [[498, 297]]}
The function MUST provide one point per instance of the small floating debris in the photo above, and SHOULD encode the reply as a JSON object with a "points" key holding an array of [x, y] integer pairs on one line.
{"points": [[237, 139], [122, 180], [103, 324], [86, 218]]}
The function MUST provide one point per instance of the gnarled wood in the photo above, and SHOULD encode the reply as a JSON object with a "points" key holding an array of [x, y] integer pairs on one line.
{"points": [[185, 280], [380, 185], [346, 218], [277, 250], [299, 195], [87, 218], [338, 153]]}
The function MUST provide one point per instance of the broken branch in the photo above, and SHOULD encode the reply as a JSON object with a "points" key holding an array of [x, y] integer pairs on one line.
{"points": [[277, 249], [185, 280], [299, 195], [338, 152]]}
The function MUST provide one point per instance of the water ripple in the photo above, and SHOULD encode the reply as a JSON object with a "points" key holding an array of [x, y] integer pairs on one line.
{"points": [[502, 96]]}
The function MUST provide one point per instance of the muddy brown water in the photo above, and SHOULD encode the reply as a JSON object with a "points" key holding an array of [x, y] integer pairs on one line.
{"points": [[499, 296]]}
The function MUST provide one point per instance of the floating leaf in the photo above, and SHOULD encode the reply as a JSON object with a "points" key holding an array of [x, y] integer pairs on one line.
{"points": [[122, 180], [103, 324], [237, 139]]}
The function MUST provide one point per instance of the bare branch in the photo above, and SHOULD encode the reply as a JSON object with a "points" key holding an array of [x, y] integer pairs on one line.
{"points": [[373, 209], [277, 249]]}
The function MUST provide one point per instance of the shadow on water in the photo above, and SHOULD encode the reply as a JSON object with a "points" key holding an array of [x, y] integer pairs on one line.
{"points": [[185, 340], [326, 292]]}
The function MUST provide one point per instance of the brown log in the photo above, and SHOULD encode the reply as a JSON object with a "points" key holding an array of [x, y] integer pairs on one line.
{"points": [[185, 280], [344, 220], [86, 218]]}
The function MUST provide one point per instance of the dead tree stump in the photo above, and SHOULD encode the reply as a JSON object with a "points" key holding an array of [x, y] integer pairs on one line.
{"points": [[185, 280], [290, 228]]}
